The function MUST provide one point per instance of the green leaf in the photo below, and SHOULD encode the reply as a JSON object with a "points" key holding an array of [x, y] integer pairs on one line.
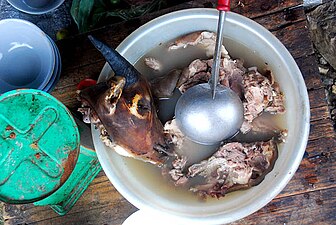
{"points": [[74, 10], [80, 11], [89, 13]]}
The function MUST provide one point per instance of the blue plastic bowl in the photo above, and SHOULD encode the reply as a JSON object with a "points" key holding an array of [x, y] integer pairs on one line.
{"points": [[27, 58], [35, 6]]}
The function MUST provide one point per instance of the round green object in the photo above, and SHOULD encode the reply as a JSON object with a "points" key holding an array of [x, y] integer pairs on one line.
{"points": [[39, 145]]}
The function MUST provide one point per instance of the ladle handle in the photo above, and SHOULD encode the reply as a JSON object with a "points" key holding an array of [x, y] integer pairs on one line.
{"points": [[217, 54], [223, 5]]}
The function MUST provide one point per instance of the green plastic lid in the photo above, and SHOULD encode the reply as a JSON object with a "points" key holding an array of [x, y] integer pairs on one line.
{"points": [[39, 145]]}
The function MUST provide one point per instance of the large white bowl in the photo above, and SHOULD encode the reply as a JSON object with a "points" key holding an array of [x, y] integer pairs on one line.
{"points": [[134, 181]]}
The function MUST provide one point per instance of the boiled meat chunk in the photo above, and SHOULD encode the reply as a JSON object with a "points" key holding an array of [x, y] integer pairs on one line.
{"points": [[234, 166], [261, 95], [177, 137], [152, 63], [204, 39], [177, 173], [199, 71], [163, 87]]}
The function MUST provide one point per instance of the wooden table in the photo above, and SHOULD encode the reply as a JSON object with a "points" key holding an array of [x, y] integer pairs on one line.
{"points": [[309, 198]]}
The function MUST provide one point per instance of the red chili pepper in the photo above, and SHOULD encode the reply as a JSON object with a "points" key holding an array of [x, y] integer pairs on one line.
{"points": [[86, 83]]}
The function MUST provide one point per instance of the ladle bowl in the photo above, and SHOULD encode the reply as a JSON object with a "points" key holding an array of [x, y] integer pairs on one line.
{"points": [[208, 121]]}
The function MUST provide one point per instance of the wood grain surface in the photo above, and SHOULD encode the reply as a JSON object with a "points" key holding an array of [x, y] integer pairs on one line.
{"points": [[310, 196]]}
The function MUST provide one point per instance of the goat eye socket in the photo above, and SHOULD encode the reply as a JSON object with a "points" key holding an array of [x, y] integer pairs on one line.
{"points": [[142, 106]]}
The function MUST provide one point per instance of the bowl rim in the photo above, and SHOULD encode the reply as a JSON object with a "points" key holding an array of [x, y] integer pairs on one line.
{"points": [[21, 6], [57, 71], [305, 126]]}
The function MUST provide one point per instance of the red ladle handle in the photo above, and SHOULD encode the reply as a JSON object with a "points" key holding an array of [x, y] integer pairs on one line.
{"points": [[223, 5]]}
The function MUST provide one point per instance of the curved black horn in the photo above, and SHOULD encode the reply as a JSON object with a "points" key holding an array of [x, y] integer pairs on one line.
{"points": [[118, 63]]}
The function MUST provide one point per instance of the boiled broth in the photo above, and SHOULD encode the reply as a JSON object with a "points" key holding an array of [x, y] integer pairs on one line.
{"points": [[179, 59]]}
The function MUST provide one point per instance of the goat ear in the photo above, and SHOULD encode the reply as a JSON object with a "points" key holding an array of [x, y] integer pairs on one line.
{"points": [[118, 63]]}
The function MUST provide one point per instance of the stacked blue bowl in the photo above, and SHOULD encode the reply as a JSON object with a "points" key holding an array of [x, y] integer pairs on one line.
{"points": [[35, 6], [28, 57]]}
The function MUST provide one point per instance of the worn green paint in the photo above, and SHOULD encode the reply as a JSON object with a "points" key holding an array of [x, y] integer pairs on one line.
{"points": [[37, 136], [85, 171]]}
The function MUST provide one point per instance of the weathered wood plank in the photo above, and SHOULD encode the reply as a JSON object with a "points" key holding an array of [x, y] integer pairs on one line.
{"points": [[320, 129], [100, 203], [317, 98], [275, 17], [314, 173], [66, 88], [112, 214], [296, 39], [280, 19], [73, 76], [257, 8], [317, 147], [68, 96], [320, 113], [316, 207], [309, 70]]}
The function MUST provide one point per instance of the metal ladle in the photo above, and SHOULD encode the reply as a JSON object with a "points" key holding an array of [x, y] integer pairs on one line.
{"points": [[209, 113]]}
